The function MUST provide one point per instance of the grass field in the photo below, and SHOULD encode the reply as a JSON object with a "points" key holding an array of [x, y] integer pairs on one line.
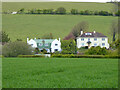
{"points": [[59, 73], [15, 6], [23, 26]]}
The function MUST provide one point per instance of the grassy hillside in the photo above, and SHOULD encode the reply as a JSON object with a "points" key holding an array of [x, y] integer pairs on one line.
{"points": [[59, 73], [15, 6], [23, 26]]}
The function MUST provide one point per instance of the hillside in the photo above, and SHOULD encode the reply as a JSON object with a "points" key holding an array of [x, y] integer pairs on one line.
{"points": [[15, 6], [23, 26]]}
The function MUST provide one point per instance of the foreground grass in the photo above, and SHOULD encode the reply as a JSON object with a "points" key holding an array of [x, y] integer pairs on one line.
{"points": [[60, 73], [23, 26]]}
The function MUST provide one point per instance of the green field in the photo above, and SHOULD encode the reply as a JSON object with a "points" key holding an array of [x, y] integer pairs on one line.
{"points": [[59, 73], [23, 26], [15, 6]]}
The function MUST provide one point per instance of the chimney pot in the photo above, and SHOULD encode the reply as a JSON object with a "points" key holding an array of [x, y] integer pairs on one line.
{"points": [[81, 32]]}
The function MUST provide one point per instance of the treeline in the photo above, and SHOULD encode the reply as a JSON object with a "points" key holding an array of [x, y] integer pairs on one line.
{"points": [[62, 10]]}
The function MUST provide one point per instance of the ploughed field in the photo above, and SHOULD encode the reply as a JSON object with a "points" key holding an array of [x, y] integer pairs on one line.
{"points": [[59, 73], [23, 26]]}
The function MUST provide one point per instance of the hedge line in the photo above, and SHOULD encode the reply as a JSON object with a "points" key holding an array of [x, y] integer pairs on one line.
{"points": [[84, 56], [68, 56], [30, 56]]}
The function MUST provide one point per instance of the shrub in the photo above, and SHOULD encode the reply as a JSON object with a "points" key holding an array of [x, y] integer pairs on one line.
{"points": [[84, 56], [74, 11], [13, 49], [61, 10], [97, 51], [30, 56]]}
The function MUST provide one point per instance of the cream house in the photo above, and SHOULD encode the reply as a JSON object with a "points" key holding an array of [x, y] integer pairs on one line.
{"points": [[92, 39]]}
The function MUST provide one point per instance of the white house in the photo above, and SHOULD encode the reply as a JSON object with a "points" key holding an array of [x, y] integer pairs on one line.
{"points": [[51, 45], [92, 39]]}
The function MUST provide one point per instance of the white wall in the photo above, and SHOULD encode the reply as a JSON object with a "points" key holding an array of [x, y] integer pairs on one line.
{"points": [[53, 46], [32, 43], [98, 42]]}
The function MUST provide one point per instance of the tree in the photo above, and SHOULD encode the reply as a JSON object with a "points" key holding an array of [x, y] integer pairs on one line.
{"points": [[68, 46], [114, 30], [4, 37], [21, 11], [13, 49], [61, 10], [45, 11], [47, 36], [39, 11], [69, 36], [82, 26], [97, 51], [74, 11]]}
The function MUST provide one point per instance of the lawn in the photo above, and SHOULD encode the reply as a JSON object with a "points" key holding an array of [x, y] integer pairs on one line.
{"points": [[59, 73], [23, 26], [15, 6]]}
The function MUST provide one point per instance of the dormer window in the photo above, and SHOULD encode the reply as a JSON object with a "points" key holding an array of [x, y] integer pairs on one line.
{"points": [[88, 33], [40, 44], [46, 44]]}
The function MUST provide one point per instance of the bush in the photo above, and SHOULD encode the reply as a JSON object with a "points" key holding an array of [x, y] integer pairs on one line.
{"points": [[74, 11], [16, 48], [97, 51], [61, 10], [84, 56], [30, 56]]}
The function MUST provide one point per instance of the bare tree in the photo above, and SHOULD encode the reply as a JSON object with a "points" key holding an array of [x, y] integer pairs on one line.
{"points": [[114, 30], [82, 26]]}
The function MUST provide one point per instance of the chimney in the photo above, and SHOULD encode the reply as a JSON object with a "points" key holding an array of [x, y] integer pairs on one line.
{"points": [[27, 39], [81, 32], [94, 31], [59, 39]]}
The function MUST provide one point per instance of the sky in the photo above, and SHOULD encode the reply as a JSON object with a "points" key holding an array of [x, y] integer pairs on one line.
{"points": [[57, 0]]}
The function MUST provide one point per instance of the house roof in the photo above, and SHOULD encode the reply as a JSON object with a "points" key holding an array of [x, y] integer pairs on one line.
{"points": [[96, 34], [45, 40]]}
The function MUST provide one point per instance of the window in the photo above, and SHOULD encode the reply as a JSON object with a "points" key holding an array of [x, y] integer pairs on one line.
{"points": [[56, 44], [103, 44], [82, 39], [103, 39], [88, 39], [46, 44], [56, 49], [88, 33], [95, 44], [82, 44], [40, 44], [95, 39]]}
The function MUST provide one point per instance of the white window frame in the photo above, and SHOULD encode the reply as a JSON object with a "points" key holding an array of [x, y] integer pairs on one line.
{"points": [[82, 39], [82, 44], [95, 44], [95, 39], [40, 44], [56, 44], [103, 39], [46, 44], [103, 43]]}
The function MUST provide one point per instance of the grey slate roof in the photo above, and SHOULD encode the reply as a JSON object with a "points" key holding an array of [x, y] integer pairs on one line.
{"points": [[96, 34]]}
